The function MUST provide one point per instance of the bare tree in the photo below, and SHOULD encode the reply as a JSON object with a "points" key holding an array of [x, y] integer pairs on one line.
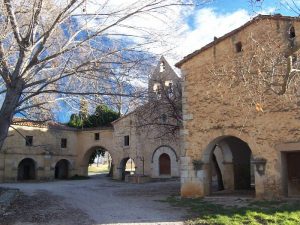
{"points": [[52, 50], [163, 111], [292, 6]]}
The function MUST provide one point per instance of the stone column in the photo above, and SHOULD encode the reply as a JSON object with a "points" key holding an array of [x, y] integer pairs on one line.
{"points": [[48, 171], [228, 176], [192, 181], [2, 161], [259, 185], [260, 177]]}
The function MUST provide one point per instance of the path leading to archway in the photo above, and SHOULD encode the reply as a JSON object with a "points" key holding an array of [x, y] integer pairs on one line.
{"points": [[99, 201]]}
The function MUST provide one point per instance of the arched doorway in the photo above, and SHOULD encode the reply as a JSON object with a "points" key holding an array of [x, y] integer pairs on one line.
{"points": [[26, 169], [229, 166], [164, 164], [62, 169], [127, 166], [98, 161]]}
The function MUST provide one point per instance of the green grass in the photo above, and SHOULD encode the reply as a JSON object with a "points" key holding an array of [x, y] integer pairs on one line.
{"points": [[99, 169], [256, 213]]}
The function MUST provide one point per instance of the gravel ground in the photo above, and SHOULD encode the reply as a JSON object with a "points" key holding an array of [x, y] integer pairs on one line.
{"points": [[95, 201]]}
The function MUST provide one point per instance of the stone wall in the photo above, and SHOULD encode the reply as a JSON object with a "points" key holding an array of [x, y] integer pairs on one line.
{"points": [[143, 144], [215, 107], [46, 150]]}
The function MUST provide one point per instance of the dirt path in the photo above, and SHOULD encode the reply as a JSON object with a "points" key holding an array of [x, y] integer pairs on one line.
{"points": [[95, 201]]}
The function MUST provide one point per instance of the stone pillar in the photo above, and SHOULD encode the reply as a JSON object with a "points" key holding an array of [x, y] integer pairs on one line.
{"points": [[2, 161], [259, 185], [117, 173], [40, 173], [260, 177], [228, 176], [192, 181], [48, 171], [11, 170]]}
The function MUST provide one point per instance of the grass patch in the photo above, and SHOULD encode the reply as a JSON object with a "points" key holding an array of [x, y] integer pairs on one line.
{"points": [[98, 169], [256, 213]]}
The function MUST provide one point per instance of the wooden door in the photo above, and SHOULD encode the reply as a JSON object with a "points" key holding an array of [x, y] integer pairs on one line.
{"points": [[164, 164], [293, 172]]}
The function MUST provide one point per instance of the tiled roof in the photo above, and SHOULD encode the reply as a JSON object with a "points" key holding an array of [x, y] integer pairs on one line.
{"points": [[52, 125], [29, 123]]}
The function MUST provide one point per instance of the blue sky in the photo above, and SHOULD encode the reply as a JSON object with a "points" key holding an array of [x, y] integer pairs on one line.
{"points": [[217, 18]]}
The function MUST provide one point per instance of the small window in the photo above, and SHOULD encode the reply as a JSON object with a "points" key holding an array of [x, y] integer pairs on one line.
{"points": [[29, 140], [156, 87], [126, 140], [157, 90], [163, 118], [63, 143], [239, 47], [294, 59], [162, 67], [292, 33], [169, 85], [97, 136]]}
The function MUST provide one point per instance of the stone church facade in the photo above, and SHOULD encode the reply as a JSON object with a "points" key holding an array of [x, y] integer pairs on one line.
{"points": [[38, 151], [238, 136]]}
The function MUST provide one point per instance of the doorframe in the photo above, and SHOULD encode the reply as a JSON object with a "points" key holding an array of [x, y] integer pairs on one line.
{"points": [[170, 165], [283, 149]]}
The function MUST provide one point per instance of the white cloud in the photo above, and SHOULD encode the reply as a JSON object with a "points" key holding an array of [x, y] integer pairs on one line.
{"points": [[171, 26], [207, 25]]}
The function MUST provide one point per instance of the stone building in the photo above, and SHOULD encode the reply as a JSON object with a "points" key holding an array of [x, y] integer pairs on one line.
{"points": [[140, 131], [241, 112], [47, 151]]}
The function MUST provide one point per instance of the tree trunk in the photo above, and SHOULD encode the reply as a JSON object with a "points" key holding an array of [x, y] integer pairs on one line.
{"points": [[8, 108]]}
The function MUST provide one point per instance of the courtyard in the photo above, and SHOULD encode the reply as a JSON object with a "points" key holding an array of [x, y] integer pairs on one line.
{"points": [[98, 200]]}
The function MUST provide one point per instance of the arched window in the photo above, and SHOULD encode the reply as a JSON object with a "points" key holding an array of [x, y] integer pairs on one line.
{"points": [[170, 90], [162, 67], [292, 33], [294, 59], [157, 90], [238, 47], [164, 118]]}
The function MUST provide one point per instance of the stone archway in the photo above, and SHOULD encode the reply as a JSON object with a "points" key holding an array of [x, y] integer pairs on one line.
{"points": [[228, 166], [165, 162], [85, 161], [27, 169], [126, 167], [62, 168]]}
